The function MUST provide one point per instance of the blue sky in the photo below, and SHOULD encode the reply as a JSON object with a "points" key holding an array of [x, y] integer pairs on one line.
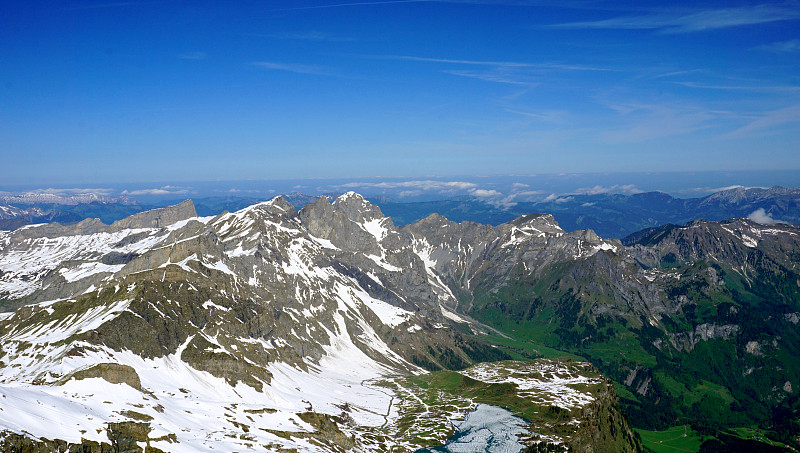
{"points": [[95, 92]]}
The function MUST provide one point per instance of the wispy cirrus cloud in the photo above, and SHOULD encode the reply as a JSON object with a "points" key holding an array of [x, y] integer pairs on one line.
{"points": [[643, 122], [193, 56], [349, 4], [316, 36], [291, 67], [551, 116], [497, 76], [507, 72], [565, 4], [503, 64], [103, 5], [675, 73], [758, 88], [791, 46], [768, 121], [692, 21]]}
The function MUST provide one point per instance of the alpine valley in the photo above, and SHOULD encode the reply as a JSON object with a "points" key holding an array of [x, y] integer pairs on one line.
{"points": [[329, 329]]}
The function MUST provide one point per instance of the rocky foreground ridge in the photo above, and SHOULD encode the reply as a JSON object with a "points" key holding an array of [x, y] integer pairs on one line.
{"points": [[272, 329]]}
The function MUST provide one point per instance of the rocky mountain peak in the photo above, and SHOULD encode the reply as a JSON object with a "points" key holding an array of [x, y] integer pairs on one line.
{"points": [[544, 223], [357, 208], [738, 195], [350, 222], [158, 218], [280, 202], [435, 219]]}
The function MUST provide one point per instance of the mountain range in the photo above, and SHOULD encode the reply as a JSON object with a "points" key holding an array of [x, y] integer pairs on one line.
{"points": [[332, 329], [267, 328], [615, 215]]}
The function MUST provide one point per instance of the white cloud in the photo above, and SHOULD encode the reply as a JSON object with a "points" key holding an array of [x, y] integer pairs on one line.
{"points": [[519, 195], [235, 190], [410, 193], [72, 191], [706, 190], [557, 199], [494, 198], [527, 193], [629, 189], [423, 185], [721, 189], [164, 190], [762, 217], [483, 193]]}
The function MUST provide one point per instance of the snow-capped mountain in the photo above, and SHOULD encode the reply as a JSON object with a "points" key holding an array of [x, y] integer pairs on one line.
{"points": [[32, 198], [252, 329]]}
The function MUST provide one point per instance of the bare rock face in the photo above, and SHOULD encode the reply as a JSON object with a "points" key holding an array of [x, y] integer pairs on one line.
{"points": [[345, 222], [688, 340], [115, 373]]}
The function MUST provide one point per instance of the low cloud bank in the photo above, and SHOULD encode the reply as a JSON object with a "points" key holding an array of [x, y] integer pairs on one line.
{"points": [[762, 217]]}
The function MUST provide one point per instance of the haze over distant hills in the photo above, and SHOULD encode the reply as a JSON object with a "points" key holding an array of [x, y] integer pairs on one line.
{"points": [[607, 213], [618, 215]]}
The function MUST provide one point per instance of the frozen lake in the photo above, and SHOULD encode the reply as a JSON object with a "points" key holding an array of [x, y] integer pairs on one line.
{"points": [[489, 429]]}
